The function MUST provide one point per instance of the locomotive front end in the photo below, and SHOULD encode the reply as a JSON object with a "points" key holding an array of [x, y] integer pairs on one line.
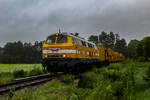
{"points": [[57, 52]]}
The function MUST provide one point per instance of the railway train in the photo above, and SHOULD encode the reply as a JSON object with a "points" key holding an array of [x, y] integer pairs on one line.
{"points": [[66, 52]]}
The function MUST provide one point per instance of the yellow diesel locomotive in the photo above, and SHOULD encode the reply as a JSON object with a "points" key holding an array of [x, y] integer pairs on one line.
{"points": [[65, 52]]}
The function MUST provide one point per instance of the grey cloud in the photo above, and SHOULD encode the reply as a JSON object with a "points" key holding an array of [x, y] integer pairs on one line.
{"points": [[30, 20]]}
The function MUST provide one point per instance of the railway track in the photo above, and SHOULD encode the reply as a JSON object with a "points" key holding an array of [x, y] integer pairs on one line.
{"points": [[25, 82]]}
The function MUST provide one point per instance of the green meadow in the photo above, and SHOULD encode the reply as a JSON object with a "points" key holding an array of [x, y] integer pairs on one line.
{"points": [[13, 67], [129, 80], [9, 72]]}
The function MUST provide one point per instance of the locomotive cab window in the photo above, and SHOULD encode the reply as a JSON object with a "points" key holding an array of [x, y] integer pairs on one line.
{"points": [[62, 39], [51, 39], [56, 38]]}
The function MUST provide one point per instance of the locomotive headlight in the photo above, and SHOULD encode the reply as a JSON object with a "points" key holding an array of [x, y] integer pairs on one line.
{"points": [[46, 56], [64, 55]]}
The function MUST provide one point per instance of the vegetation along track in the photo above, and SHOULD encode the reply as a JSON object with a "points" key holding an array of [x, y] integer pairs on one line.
{"points": [[25, 82]]}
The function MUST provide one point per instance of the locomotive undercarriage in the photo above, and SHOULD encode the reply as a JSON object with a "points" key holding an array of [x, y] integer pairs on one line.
{"points": [[68, 65]]}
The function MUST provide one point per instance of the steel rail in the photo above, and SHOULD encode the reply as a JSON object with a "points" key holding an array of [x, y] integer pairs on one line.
{"points": [[25, 82]]}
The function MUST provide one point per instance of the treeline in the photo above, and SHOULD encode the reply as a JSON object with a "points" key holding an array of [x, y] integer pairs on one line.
{"points": [[138, 50], [18, 52], [111, 40]]}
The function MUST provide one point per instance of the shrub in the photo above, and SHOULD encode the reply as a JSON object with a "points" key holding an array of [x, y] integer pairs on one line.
{"points": [[35, 71], [103, 91], [82, 93], [2, 74], [88, 80], [114, 66], [113, 74], [147, 77], [118, 87], [101, 71], [19, 73], [141, 59], [11, 93], [68, 79], [6, 77]]}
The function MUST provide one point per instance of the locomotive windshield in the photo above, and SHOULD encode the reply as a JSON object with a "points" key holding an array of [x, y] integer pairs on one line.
{"points": [[51, 39], [57, 39], [62, 39]]}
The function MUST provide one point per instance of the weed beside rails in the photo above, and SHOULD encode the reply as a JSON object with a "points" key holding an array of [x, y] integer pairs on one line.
{"points": [[146, 77], [118, 81], [109, 83], [6, 77]]}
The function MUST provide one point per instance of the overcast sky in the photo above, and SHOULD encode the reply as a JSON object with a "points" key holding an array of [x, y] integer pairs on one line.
{"points": [[31, 20]]}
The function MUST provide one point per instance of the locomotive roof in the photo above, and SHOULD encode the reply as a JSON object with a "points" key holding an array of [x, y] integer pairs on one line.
{"points": [[70, 34]]}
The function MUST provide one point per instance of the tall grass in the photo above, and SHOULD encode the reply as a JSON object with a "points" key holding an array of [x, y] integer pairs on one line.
{"points": [[6, 77], [118, 81], [13, 67]]}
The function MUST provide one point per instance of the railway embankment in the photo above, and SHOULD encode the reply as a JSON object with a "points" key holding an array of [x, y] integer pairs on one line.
{"points": [[128, 80]]}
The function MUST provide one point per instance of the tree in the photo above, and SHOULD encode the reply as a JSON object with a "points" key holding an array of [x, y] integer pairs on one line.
{"points": [[107, 40], [17, 52], [121, 46], [139, 51], [112, 40], [117, 37], [103, 39], [13, 49], [131, 48], [146, 47], [1, 53], [93, 38], [142, 49], [1, 50]]}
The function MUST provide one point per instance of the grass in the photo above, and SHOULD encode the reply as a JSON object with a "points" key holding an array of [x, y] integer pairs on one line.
{"points": [[50, 91], [118, 81], [13, 67], [9, 72]]}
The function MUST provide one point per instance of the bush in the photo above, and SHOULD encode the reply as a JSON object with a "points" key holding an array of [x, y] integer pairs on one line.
{"points": [[2, 74], [101, 71], [141, 59], [19, 73], [82, 93], [6, 77], [88, 80], [68, 79], [22, 73], [147, 77], [103, 91], [118, 87], [36, 71], [113, 74]]}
